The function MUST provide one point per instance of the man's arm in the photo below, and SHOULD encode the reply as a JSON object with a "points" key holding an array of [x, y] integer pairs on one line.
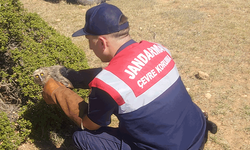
{"points": [[82, 78], [88, 124], [71, 103], [101, 107]]}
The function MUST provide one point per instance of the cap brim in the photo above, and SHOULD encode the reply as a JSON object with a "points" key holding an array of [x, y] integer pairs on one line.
{"points": [[79, 33]]}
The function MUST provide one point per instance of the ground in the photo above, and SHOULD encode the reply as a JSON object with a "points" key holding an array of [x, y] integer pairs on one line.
{"points": [[209, 36]]}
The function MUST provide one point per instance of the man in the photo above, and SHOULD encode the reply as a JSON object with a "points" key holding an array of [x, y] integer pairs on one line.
{"points": [[141, 86]]}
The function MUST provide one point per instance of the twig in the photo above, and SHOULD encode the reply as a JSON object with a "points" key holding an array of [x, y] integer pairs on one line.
{"points": [[3, 106]]}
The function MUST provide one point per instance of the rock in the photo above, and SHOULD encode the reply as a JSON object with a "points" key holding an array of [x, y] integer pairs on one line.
{"points": [[90, 2], [202, 75], [243, 95], [208, 95]]}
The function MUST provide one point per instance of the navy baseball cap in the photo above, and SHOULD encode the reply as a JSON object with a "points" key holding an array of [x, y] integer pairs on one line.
{"points": [[101, 20]]}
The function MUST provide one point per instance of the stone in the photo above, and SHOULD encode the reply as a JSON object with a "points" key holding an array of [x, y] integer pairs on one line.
{"points": [[208, 95], [202, 75]]}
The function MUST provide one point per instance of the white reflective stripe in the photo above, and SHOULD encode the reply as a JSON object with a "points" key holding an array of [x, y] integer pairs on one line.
{"points": [[120, 86], [132, 102]]}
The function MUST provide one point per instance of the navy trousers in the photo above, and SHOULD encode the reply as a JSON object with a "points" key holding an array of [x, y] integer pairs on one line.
{"points": [[105, 138]]}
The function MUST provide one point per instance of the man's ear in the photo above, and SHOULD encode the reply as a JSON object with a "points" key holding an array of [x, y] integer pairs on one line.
{"points": [[102, 42]]}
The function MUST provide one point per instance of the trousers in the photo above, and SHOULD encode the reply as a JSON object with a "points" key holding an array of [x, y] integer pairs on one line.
{"points": [[105, 138]]}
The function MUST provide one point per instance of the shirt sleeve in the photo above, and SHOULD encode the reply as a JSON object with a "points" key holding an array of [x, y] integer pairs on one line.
{"points": [[82, 78], [101, 107]]}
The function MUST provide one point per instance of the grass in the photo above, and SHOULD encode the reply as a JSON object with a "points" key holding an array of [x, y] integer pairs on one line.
{"points": [[210, 36]]}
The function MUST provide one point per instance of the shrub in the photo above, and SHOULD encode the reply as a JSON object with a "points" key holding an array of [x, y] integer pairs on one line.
{"points": [[7, 133], [9, 139], [26, 44]]}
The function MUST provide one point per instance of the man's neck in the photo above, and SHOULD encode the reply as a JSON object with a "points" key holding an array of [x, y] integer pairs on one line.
{"points": [[117, 43]]}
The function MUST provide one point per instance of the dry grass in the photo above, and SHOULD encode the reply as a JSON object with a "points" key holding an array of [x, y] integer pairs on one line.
{"points": [[209, 35]]}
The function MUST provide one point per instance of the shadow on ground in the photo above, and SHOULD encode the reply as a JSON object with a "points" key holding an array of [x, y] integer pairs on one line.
{"points": [[48, 145], [58, 1], [81, 2]]}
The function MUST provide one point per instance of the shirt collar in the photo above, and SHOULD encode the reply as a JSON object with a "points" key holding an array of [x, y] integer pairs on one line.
{"points": [[125, 45]]}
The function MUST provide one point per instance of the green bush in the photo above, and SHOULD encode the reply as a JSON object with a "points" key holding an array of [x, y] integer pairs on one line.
{"points": [[26, 44], [9, 137], [7, 134]]}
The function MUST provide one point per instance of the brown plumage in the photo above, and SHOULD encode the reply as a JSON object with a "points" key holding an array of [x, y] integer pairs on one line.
{"points": [[42, 75]]}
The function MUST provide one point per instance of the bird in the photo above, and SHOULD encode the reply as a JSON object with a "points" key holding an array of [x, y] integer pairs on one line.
{"points": [[43, 74]]}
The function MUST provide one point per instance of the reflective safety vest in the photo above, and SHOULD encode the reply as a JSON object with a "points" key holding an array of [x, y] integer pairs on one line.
{"points": [[138, 75], [155, 110]]}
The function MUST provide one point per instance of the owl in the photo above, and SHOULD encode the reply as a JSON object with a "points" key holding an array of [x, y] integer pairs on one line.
{"points": [[42, 75]]}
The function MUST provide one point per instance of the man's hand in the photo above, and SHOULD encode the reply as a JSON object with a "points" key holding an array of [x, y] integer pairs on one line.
{"points": [[71, 103]]}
